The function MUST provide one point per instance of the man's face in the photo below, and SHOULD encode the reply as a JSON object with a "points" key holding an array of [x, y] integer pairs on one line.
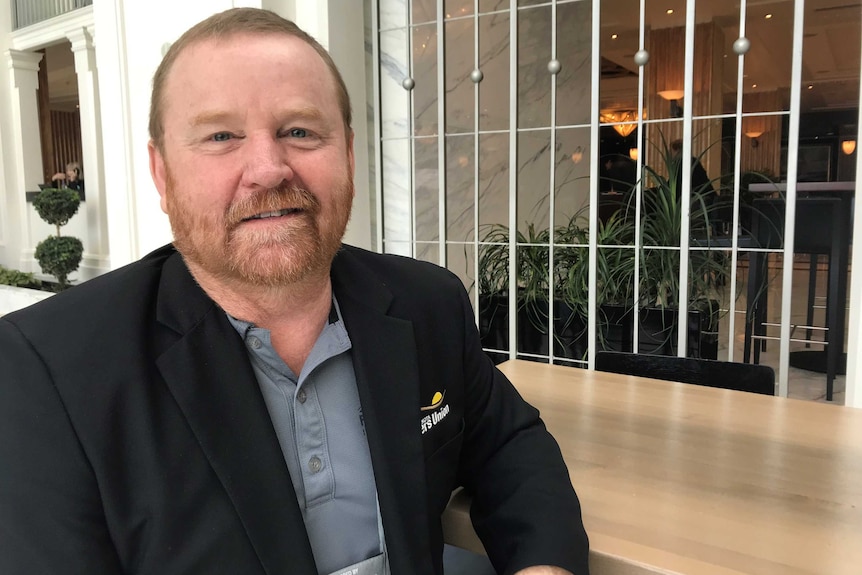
{"points": [[256, 167]]}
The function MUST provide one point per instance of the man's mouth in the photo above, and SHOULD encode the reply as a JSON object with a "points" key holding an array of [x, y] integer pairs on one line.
{"points": [[274, 214]]}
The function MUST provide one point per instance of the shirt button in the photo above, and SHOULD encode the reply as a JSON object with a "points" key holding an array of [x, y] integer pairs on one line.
{"points": [[300, 396], [314, 464], [254, 342]]}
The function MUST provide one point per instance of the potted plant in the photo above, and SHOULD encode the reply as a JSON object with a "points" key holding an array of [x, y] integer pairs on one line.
{"points": [[58, 255]]}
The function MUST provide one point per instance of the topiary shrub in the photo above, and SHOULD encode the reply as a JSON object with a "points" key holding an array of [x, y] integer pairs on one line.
{"points": [[58, 255]]}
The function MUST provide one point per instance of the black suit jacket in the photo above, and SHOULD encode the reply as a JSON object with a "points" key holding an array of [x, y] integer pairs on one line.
{"points": [[134, 437]]}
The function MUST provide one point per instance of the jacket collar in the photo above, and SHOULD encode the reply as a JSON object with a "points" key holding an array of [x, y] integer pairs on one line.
{"points": [[208, 372]]}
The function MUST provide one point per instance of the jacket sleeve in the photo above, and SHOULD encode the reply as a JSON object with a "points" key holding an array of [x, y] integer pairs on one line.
{"points": [[51, 519], [524, 508]]}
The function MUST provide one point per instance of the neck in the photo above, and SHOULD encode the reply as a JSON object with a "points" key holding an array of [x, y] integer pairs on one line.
{"points": [[295, 314]]}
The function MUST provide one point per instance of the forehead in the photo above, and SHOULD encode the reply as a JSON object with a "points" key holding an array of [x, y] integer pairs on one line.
{"points": [[242, 63]]}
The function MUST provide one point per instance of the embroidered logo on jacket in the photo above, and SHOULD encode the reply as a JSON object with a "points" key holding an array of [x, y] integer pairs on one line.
{"points": [[438, 412]]}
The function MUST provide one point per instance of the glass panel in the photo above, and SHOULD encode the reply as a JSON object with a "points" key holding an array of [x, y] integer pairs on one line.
{"points": [[426, 184], [493, 5], [615, 284], [460, 258], [460, 190], [618, 85], [571, 269], [767, 66], [397, 216], [457, 8], [425, 75], [534, 80], [394, 99], [494, 64], [428, 252], [532, 261], [459, 64], [572, 185], [665, 72], [493, 181], [423, 11], [533, 182], [709, 62], [531, 2]]}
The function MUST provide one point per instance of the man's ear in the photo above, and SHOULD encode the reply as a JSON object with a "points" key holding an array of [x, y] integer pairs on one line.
{"points": [[351, 159], [158, 171]]}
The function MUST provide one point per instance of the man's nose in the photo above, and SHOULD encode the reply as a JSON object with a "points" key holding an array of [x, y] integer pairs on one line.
{"points": [[266, 161]]}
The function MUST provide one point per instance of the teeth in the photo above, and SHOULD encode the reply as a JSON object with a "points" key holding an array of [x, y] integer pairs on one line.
{"points": [[274, 214]]}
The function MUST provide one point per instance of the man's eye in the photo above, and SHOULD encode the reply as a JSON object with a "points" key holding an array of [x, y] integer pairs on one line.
{"points": [[298, 133], [221, 137]]}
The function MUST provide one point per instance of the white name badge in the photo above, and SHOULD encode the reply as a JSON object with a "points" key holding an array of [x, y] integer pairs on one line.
{"points": [[372, 566]]}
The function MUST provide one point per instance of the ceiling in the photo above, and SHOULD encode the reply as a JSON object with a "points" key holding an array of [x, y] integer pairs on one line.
{"points": [[831, 48], [832, 37]]}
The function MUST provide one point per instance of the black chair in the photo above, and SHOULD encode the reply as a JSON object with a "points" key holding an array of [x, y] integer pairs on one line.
{"points": [[822, 225], [723, 374]]}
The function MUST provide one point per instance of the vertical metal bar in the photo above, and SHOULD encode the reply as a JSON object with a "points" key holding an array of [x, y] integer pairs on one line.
{"points": [[737, 183], [441, 131], [378, 137], [685, 166], [595, 69], [552, 181], [790, 200], [853, 383], [411, 136], [639, 183], [476, 182], [513, 178]]}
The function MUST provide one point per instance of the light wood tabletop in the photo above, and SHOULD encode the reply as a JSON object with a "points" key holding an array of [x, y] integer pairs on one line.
{"points": [[678, 478]]}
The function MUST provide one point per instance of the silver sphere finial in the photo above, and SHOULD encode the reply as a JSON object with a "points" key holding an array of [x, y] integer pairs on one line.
{"points": [[741, 45], [641, 57], [476, 76], [554, 66]]}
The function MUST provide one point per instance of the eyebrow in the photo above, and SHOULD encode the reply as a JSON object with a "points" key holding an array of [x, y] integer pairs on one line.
{"points": [[307, 113]]}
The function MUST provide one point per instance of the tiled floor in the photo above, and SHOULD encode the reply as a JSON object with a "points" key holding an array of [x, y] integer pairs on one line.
{"points": [[802, 384]]}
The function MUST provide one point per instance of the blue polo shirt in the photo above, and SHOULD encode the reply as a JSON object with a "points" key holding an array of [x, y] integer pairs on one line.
{"points": [[318, 420]]}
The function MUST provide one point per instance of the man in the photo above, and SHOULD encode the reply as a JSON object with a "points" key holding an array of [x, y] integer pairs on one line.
{"points": [[71, 178], [260, 399]]}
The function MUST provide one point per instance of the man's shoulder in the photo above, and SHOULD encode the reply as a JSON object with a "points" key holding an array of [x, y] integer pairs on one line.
{"points": [[102, 297], [392, 269]]}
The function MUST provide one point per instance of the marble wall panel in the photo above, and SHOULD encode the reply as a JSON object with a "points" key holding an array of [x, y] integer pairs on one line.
{"points": [[394, 99], [459, 88], [428, 252], [534, 179], [398, 248], [493, 5], [493, 180], [460, 260], [494, 64], [460, 187], [457, 8], [392, 14], [425, 76], [426, 183], [574, 51], [396, 192], [422, 11], [572, 175], [534, 80]]}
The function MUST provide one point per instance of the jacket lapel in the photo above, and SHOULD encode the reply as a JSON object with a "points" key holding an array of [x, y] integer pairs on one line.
{"points": [[387, 376], [209, 375]]}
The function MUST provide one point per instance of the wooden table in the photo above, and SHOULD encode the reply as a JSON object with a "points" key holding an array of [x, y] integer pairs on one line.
{"points": [[677, 478]]}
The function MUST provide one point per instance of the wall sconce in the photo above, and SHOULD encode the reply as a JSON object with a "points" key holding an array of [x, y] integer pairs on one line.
{"points": [[754, 135], [673, 96], [633, 154], [578, 155], [848, 146]]}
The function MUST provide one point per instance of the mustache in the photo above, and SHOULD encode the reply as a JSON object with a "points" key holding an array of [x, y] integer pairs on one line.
{"points": [[282, 197]]}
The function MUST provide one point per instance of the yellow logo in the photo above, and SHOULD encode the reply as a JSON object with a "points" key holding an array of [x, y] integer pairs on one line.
{"points": [[435, 401]]}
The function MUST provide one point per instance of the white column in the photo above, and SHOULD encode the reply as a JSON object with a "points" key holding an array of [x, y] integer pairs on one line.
{"points": [[95, 244], [27, 150]]}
